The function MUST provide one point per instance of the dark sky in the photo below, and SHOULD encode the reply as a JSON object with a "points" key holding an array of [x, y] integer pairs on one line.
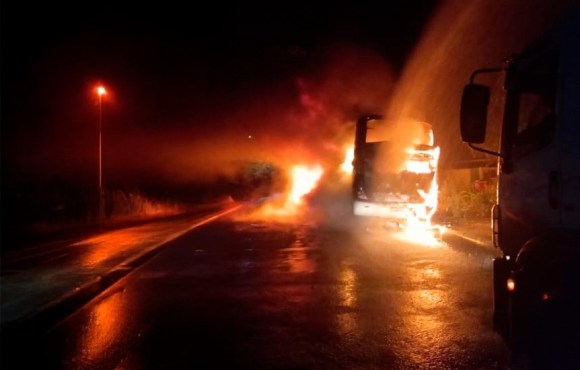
{"points": [[170, 68]]}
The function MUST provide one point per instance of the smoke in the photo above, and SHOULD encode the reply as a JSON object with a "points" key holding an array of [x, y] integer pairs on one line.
{"points": [[306, 118]]}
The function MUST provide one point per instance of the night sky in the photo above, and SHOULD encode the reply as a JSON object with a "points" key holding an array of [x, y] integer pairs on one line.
{"points": [[176, 73], [189, 83]]}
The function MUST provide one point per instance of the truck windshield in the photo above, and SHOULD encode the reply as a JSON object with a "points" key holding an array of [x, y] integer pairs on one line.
{"points": [[536, 89]]}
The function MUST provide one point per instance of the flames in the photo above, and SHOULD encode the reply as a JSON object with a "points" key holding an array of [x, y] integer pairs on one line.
{"points": [[422, 160], [346, 166], [303, 180], [419, 228]]}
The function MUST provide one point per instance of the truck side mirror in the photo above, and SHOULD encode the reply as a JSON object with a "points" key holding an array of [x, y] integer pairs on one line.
{"points": [[473, 116]]}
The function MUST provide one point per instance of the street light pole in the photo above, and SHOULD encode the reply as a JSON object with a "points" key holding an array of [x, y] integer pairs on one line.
{"points": [[101, 91]]}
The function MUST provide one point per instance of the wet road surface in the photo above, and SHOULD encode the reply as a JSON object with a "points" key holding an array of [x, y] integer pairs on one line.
{"points": [[266, 295], [36, 278]]}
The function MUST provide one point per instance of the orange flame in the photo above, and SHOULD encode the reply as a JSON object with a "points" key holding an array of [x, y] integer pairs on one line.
{"points": [[347, 166], [419, 228], [417, 163], [303, 180]]}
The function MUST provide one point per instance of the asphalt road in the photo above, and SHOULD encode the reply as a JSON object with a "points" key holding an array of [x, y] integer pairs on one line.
{"points": [[247, 293]]}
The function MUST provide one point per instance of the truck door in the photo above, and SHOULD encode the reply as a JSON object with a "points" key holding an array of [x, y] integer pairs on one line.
{"points": [[526, 190]]}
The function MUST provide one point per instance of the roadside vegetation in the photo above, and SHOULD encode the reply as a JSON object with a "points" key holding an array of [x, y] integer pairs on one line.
{"points": [[35, 211], [473, 202], [30, 209]]}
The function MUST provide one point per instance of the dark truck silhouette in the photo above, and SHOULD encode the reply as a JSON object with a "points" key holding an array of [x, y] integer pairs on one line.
{"points": [[536, 221]]}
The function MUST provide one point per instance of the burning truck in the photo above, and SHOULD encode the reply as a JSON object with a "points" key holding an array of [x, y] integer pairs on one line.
{"points": [[394, 180]]}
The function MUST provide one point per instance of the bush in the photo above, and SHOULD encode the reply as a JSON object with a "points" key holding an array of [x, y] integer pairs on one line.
{"points": [[475, 202], [254, 180]]}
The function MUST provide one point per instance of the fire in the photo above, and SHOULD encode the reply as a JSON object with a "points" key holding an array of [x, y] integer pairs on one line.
{"points": [[304, 180], [422, 160], [419, 227], [346, 166]]}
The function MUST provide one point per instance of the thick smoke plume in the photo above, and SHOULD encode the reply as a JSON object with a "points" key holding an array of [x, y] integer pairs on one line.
{"points": [[306, 118]]}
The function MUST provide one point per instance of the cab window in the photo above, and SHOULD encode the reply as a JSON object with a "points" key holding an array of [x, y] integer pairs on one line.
{"points": [[537, 89]]}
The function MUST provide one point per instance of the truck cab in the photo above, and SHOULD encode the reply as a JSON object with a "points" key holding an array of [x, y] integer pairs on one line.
{"points": [[536, 219]]}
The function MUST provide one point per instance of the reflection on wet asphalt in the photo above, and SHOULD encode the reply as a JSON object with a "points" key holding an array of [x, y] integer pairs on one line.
{"points": [[242, 294]]}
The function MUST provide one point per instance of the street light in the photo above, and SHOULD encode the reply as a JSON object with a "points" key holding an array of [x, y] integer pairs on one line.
{"points": [[101, 91]]}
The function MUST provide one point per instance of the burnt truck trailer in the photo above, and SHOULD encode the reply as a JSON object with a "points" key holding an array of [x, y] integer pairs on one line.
{"points": [[536, 219], [387, 192]]}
